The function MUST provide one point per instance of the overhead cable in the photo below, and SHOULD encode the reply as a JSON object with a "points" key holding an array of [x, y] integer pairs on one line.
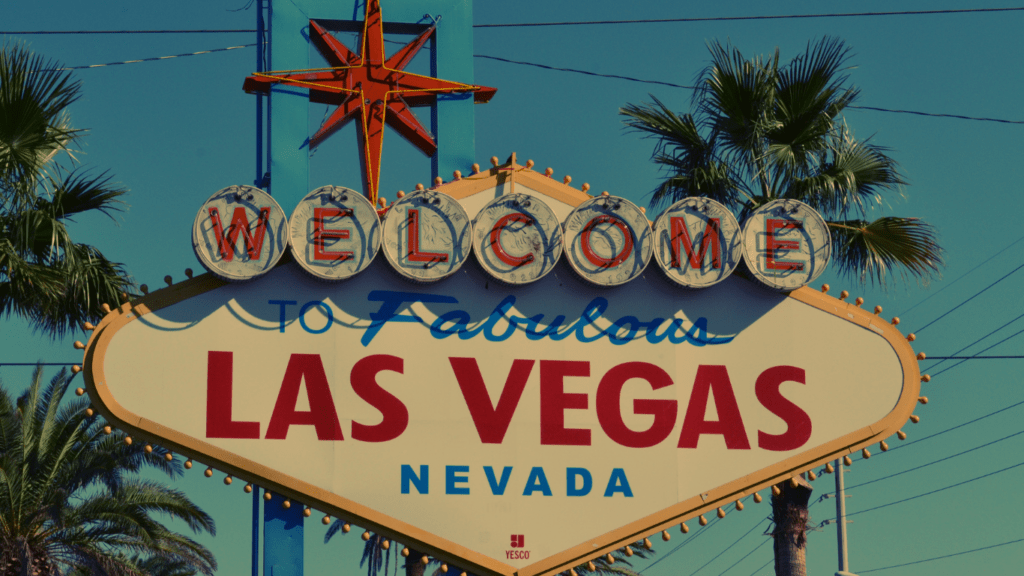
{"points": [[976, 294], [735, 18], [961, 277], [941, 557], [576, 22], [936, 491]]}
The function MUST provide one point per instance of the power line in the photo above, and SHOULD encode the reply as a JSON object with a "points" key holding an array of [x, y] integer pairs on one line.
{"points": [[727, 548], [976, 294], [962, 276], [39, 363], [682, 544], [1014, 335], [943, 489], [584, 72], [673, 85], [756, 548], [954, 354], [734, 18], [153, 59], [763, 566], [572, 23], [958, 426], [929, 463], [59, 32], [973, 358], [941, 557]]}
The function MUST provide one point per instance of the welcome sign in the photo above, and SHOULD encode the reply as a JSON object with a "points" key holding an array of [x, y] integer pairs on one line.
{"points": [[507, 427]]}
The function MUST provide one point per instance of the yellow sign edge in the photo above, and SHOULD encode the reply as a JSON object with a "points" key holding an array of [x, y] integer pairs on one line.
{"points": [[281, 484]]}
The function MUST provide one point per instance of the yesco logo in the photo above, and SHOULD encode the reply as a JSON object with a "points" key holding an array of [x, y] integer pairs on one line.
{"points": [[518, 543], [334, 233]]}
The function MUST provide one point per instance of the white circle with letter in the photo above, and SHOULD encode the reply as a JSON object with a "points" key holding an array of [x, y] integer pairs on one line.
{"points": [[517, 238], [240, 233], [786, 244], [697, 242], [335, 233], [608, 240], [427, 235]]}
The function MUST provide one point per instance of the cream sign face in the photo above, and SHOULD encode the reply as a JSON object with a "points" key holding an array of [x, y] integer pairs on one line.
{"points": [[505, 429]]}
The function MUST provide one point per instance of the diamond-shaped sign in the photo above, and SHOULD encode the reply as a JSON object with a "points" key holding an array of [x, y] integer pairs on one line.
{"points": [[507, 429]]}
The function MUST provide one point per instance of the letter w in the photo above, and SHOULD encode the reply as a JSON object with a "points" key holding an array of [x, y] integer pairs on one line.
{"points": [[681, 241], [240, 224], [491, 421]]}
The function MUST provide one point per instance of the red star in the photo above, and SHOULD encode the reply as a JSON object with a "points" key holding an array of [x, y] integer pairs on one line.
{"points": [[370, 86]]}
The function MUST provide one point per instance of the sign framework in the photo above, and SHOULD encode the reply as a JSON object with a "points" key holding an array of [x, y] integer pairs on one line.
{"points": [[471, 559]]}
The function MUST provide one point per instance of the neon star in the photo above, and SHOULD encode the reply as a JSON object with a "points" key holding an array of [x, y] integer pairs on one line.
{"points": [[370, 86]]}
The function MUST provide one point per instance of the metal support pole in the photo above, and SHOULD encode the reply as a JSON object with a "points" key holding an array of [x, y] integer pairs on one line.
{"points": [[844, 559], [259, 97], [255, 531]]}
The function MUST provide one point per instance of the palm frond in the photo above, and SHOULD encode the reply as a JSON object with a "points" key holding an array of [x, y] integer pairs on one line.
{"points": [[876, 251]]}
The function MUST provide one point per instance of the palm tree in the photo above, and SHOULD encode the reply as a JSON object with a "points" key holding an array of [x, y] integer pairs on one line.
{"points": [[70, 498], [760, 131], [45, 277]]}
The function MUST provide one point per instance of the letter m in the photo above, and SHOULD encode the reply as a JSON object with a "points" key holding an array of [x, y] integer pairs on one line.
{"points": [[681, 240], [226, 241]]}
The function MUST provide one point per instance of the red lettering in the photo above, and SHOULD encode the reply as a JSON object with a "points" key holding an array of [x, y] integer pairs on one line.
{"points": [[769, 394], [608, 401], [588, 250], [413, 231], [321, 234], [554, 401], [496, 246], [774, 244], [364, 383], [218, 400], [713, 379], [321, 414], [681, 241], [240, 224], [491, 421]]}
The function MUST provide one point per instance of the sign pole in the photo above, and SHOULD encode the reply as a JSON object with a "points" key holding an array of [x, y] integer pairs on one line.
{"points": [[844, 559]]}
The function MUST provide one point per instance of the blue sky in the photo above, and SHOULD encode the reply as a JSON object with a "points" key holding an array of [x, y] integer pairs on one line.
{"points": [[177, 130]]}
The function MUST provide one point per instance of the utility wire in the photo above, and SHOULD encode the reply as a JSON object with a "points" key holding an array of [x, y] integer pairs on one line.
{"points": [[929, 463], [1014, 335], [976, 294], [961, 277], [756, 548], [954, 354], [584, 72], [571, 23], [546, 67], [943, 489], [942, 557], [763, 566], [39, 363], [152, 59], [734, 18], [727, 548], [682, 544]]}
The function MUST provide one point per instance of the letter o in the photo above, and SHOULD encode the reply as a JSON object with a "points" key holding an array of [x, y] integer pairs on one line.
{"points": [[327, 312]]}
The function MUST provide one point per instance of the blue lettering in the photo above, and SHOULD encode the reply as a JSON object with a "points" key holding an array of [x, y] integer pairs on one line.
{"points": [[451, 478], [618, 483], [282, 304], [537, 481], [498, 487], [315, 304], [624, 330], [388, 311], [571, 474], [421, 482]]}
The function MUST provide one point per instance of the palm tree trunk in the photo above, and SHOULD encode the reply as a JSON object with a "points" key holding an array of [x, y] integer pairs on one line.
{"points": [[414, 565], [789, 512]]}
